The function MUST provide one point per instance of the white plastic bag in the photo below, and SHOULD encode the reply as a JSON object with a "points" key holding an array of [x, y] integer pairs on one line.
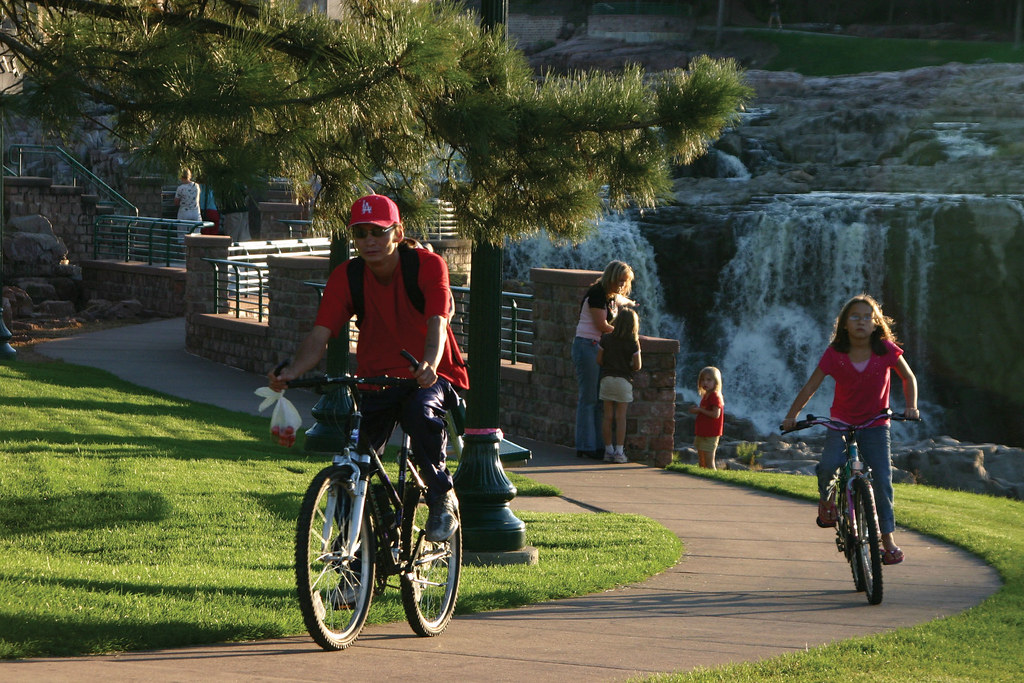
{"points": [[285, 421]]}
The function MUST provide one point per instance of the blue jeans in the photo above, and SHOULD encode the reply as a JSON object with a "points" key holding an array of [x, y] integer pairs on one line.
{"points": [[874, 450], [589, 412]]}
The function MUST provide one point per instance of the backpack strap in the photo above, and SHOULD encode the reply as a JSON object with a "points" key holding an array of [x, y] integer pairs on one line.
{"points": [[409, 262]]}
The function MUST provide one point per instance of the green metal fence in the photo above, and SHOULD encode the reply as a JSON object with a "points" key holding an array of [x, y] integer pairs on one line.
{"points": [[239, 288], [156, 241]]}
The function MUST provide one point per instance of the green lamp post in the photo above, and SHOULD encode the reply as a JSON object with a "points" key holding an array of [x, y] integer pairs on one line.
{"points": [[488, 524], [332, 411], [7, 351]]}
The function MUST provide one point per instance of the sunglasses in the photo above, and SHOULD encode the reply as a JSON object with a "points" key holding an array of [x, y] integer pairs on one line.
{"points": [[360, 233]]}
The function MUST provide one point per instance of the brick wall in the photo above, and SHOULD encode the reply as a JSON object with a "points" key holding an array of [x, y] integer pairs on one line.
{"points": [[69, 210], [161, 290], [537, 401], [144, 192], [650, 420]]}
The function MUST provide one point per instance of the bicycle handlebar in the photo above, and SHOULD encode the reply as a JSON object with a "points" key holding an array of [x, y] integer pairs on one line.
{"points": [[839, 425], [352, 380]]}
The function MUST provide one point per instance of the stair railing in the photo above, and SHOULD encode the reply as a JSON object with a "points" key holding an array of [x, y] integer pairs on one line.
{"points": [[17, 155]]}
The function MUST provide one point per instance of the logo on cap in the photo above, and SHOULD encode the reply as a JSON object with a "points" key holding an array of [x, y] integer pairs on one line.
{"points": [[366, 207]]}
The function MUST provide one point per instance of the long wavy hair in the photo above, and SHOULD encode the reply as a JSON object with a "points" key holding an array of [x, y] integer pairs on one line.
{"points": [[613, 272], [883, 327]]}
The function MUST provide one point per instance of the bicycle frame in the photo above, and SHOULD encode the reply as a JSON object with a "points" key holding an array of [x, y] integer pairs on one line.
{"points": [[346, 551], [858, 533]]}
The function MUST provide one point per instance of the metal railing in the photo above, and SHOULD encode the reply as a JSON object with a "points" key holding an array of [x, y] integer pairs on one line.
{"points": [[516, 324], [259, 251], [517, 327], [239, 288], [156, 241], [50, 157]]}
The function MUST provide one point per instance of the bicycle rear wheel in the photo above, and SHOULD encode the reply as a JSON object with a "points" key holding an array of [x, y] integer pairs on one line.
{"points": [[867, 551], [431, 587], [334, 582]]}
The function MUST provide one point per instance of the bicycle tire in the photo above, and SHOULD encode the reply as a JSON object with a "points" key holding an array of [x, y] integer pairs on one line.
{"points": [[334, 594], [868, 552], [430, 587]]}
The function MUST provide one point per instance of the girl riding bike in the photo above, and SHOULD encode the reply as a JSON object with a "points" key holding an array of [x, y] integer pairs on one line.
{"points": [[859, 358]]}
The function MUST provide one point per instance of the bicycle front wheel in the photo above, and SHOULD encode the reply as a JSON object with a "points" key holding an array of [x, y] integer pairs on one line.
{"points": [[867, 551], [430, 586], [334, 580]]}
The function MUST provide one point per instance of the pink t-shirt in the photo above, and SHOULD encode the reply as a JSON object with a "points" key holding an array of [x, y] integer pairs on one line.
{"points": [[860, 395]]}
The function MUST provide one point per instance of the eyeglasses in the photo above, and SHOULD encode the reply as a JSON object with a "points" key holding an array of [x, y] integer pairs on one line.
{"points": [[859, 318], [361, 233]]}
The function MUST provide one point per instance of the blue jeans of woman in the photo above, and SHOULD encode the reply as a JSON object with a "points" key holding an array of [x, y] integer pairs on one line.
{"points": [[588, 408], [874, 451]]}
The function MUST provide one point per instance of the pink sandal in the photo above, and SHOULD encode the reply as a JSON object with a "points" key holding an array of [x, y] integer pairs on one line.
{"points": [[894, 556]]}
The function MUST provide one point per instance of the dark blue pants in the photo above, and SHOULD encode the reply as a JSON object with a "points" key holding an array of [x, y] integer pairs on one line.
{"points": [[421, 413]]}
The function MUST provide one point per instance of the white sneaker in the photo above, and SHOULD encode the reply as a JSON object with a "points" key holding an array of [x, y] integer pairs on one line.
{"points": [[620, 458], [609, 456]]}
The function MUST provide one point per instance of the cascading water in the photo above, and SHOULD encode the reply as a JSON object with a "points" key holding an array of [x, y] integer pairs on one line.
{"points": [[797, 260]]}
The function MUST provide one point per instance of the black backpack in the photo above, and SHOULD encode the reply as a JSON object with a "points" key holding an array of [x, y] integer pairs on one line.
{"points": [[410, 264]]}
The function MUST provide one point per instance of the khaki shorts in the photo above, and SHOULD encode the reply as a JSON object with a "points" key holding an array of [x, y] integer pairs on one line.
{"points": [[706, 444], [618, 389]]}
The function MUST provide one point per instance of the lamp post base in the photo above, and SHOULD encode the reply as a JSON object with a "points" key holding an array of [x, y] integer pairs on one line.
{"points": [[488, 524]]}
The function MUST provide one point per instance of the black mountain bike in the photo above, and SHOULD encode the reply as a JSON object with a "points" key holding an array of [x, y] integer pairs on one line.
{"points": [[357, 528], [857, 533]]}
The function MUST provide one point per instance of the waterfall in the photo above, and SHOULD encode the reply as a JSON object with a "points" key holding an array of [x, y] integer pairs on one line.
{"points": [[797, 262], [798, 259]]}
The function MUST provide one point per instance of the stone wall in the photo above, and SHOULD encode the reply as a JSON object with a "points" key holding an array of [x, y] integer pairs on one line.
{"points": [[650, 420], [69, 210], [527, 29], [550, 382], [162, 289], [145, 193], [640, 28]]}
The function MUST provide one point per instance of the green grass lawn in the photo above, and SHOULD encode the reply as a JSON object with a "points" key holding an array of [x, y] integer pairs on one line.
{"points": [[981, 644], [131, 520], [820, 54]]}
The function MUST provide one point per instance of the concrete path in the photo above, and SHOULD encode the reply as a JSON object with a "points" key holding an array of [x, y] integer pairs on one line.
{"points": [[758, 578]]}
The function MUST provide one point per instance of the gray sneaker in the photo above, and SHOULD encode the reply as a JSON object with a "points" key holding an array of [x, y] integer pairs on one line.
{"points": [[443, 519]]}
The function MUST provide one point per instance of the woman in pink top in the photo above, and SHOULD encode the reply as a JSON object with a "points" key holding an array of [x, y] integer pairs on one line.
{"points": [[597, 310], [860, 359]]}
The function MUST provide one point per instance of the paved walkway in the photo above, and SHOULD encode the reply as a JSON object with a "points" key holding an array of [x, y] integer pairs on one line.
{"points": [[758, 578]]}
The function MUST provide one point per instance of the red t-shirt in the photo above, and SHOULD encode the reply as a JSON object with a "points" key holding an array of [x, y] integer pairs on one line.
{"points": [[860, 395], [710, 426], [391, 322]]}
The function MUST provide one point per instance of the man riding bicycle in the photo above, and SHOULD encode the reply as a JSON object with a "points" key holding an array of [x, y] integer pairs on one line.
{"points": [[394, 315]]}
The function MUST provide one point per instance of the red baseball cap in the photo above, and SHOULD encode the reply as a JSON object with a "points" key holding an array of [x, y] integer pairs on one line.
{"points": [[375, 209]]}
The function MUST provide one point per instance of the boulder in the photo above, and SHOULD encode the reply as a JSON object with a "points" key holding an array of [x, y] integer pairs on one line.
{"points": [[31, 248], [17, 303]]}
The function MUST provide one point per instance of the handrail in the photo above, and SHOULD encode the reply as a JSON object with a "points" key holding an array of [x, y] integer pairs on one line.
{"points": [[17, 152], [245, 281], [156, 241]]}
